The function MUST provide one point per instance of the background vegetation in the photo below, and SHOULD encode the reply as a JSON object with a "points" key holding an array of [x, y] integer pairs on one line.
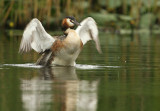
{"points": [[110, 14]]}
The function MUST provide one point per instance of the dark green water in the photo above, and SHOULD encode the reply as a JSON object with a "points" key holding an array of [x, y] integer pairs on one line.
{"points": [[126, 77]]}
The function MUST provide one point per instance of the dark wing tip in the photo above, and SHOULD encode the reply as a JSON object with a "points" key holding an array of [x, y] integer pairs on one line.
{"points": [[21, 51], [98, 48], [24, 49]]}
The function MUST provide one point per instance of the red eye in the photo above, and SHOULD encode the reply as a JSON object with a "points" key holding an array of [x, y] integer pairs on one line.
{"points": [[71, 21]]}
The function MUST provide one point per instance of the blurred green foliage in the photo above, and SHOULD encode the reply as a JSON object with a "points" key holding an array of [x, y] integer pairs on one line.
{"points": [[117, 14]]}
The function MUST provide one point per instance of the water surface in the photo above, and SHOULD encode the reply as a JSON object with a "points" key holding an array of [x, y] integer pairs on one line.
{"points": [[126, 77]]}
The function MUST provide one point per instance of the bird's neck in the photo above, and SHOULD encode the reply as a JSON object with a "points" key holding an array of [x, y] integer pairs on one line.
{"points": [[66, 31], [64, 28]]}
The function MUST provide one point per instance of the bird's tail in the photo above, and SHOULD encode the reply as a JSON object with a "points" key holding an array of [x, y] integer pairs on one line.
{"points": [[45, 59]]}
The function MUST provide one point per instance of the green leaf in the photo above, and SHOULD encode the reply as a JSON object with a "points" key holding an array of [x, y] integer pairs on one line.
{"points": [[114, 3], [147, 20], [125, 17], [103, 18]]}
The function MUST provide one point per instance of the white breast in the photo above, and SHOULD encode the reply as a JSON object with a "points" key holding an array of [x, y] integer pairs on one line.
{"points": [[69, 53]]}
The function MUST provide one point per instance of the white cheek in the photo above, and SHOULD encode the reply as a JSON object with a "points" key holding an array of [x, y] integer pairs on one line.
{"points": [[70, 23]]}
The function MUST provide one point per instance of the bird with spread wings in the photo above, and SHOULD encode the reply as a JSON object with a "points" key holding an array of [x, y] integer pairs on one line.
{"points": [[59, 50]]}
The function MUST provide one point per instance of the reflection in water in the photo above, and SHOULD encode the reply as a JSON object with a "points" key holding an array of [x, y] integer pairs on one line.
{"points": [[33, 96], [59, 88], [87, 96]]}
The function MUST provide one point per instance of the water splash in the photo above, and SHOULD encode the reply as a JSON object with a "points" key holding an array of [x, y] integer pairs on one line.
{"points": [[78, 66], [27, 65], [81, 66]]}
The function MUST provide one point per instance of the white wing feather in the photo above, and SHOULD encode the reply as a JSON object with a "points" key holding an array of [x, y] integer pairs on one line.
{"points": [[35, 37], [88, 31]]}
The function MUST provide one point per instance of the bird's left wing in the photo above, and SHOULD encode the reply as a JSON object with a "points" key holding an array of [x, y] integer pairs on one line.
{"points": [[88, 31], [35, 37]]}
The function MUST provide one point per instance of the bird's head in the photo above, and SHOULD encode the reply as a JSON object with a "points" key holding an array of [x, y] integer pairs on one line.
{"points": [[69, 22]]}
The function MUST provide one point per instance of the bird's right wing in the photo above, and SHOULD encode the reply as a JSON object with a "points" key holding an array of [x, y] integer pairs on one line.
{"points": [[88, 31], [35, 37]]}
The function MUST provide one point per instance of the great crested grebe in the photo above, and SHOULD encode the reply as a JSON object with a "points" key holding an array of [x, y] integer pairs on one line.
{"points": [[59, 50]]}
